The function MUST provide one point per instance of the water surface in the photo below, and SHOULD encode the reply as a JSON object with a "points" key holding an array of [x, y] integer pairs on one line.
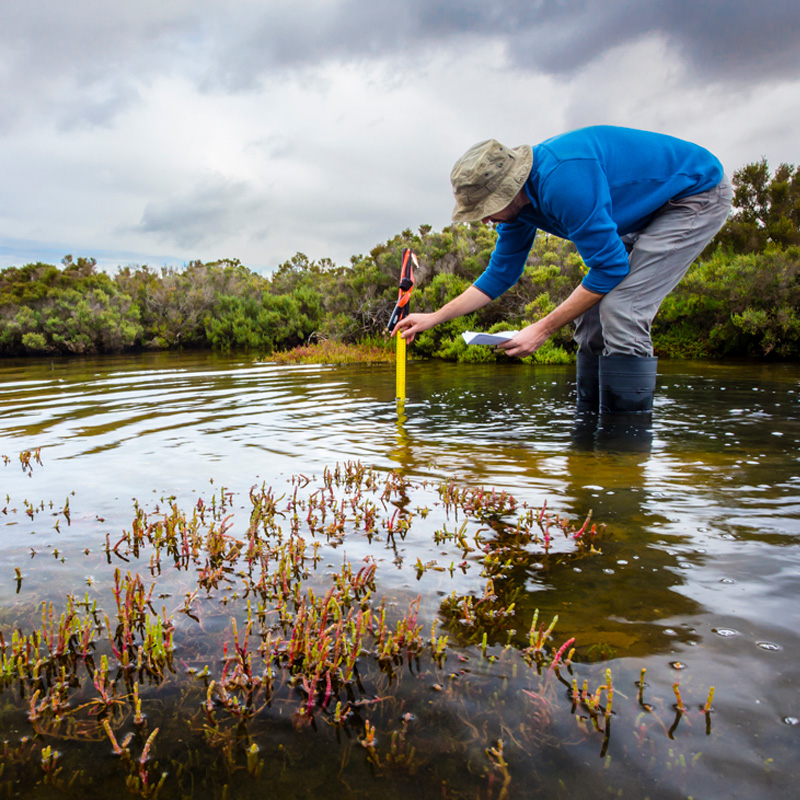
{"points": [[697, 581]]}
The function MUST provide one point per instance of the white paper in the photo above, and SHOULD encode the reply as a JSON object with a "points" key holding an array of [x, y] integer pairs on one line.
{"points": [[473, 337]]}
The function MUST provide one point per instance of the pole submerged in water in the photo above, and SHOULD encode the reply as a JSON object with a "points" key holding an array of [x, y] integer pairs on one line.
{"points": [[400, 376], [400, 312]]}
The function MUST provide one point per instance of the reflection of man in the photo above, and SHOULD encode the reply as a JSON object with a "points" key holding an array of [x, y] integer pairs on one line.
{"points": [[639, 207]]}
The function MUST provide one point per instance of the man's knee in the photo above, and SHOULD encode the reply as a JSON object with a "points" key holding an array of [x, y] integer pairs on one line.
{"points": [[626, 326], [588, 331]]}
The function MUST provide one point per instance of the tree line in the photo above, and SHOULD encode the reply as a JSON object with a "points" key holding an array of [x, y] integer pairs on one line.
{"points": [[740, 298]]}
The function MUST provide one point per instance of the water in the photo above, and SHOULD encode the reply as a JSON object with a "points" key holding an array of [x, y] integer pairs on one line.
{"points": [[697, 580]]}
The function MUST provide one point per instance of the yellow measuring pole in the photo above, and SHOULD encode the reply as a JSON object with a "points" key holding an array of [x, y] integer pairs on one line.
{"points": [[400, 311], [400, 380]]}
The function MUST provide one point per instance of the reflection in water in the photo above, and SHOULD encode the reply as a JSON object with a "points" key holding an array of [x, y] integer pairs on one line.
{"points": [[701, 508], [645, 587], [614, 606], [402, 454]]}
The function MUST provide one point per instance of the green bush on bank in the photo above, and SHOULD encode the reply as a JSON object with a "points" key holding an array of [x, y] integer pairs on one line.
{"points": [[74, 310], [742, 305], [728, 305]]}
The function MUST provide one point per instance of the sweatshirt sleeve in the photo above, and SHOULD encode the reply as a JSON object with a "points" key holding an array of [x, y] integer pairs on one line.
{"points": [[514, 242], [577, 195]]}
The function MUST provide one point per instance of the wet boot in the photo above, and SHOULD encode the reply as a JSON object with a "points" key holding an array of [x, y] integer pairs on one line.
{"points": [[627, 384], [587, 378]]}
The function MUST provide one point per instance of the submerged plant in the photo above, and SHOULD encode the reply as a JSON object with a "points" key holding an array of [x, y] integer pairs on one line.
{"points": [[263, 628]]}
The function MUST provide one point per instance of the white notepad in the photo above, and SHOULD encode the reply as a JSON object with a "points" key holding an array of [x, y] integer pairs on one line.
{"points": [[473, 337]]}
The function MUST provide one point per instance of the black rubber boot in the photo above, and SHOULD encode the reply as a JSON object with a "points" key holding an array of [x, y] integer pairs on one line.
{"points": [[587, 377], [627, 384]]}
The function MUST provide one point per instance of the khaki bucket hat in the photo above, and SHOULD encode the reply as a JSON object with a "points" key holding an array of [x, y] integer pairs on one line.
{"points": [[487, 178]]}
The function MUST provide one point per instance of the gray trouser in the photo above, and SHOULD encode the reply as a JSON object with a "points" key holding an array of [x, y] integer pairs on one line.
{"points": [[659, 256]]}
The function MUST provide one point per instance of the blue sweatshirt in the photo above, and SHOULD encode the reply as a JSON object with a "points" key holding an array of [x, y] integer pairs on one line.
{"points": [[592, 186]]}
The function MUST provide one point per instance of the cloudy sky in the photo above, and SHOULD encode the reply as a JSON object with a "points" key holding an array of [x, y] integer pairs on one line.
{"points": [[161, 131]]}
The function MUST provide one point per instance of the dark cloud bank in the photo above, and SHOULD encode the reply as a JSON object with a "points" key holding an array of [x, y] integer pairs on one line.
{"points": [[238, 44], [720, 40]]}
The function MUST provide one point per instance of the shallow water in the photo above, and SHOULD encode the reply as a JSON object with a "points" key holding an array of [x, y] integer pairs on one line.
{"points": [[697, 581]]}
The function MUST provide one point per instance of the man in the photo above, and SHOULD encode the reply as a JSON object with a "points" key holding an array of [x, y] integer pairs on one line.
{"points": [[639, 207]]}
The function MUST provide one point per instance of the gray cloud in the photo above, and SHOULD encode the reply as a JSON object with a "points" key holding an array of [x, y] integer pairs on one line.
{"points": [[99, 108], [256, 128], [215, 209], [46, 45], [721, 40]]}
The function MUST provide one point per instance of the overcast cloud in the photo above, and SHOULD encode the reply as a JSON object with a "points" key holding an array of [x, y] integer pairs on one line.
{"points": [[163, 131]]}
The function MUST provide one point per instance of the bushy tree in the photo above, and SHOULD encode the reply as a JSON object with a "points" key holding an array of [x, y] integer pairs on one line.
{"points": [[766, 209], [76, 309], [175, 304], [747, 304]]}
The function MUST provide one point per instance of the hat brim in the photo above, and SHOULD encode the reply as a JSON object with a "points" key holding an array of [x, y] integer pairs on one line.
{"points": [[504, 193]]}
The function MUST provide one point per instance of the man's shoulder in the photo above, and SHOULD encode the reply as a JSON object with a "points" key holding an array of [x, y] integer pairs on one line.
{"points": [[582, 136], [583, 144], [591, 134]]}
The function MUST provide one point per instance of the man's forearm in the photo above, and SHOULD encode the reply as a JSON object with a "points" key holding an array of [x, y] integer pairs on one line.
{"points": [[577, 303], [530, 339], [471, 299]]}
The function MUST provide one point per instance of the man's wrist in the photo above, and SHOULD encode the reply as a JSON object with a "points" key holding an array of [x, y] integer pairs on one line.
{"points": [[546, 325]]}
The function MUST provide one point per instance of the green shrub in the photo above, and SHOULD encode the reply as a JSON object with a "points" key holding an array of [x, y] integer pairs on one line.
{"points": [[744, 305]]}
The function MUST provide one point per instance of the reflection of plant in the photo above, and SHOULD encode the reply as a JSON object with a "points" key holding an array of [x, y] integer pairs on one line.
{"points": [[495, 755], [601, 651], [26, 456], [535, 540], [138, 778], [50, 767]]}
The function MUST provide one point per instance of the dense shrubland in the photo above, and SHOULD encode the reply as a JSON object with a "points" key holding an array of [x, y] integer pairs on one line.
{"points": [[741, 298]]}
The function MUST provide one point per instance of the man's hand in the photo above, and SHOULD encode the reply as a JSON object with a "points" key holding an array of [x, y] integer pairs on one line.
{"points": [[526, 341], [530, 339], [413, 324], [471, 299]]}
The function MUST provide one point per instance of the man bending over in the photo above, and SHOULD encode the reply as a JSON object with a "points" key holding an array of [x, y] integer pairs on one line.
{"points": [[639, 207]]}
